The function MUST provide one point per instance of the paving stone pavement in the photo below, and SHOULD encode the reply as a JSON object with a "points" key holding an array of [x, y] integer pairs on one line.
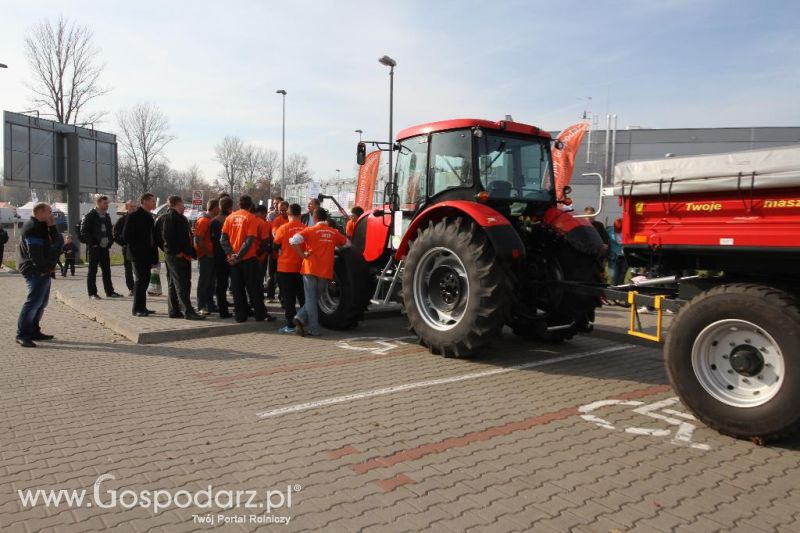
{"points": [[370, 432]]}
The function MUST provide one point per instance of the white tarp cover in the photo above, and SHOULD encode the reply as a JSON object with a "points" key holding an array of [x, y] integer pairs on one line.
{"points": [[774, 168]]}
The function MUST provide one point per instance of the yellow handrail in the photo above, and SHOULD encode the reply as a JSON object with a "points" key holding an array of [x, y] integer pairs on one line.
{"points": [[634, 313]]}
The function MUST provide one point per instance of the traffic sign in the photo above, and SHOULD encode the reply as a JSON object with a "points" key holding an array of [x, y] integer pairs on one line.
{"points": [[197, 197]]}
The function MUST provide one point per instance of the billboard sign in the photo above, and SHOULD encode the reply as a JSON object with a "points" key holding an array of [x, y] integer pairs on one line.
{"points": [[45, 154]]}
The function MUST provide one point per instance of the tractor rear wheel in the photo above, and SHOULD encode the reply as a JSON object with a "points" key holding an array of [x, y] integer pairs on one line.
{"points": [[346, 297], [733, 357], [453, 289]]}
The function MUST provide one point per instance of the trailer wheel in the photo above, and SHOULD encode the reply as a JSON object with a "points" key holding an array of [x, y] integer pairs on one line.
{"points": [[733, 356], [345, 298], [453, 289]]}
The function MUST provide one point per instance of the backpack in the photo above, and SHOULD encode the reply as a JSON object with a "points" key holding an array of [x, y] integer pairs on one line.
{"points": [[79, 231]]}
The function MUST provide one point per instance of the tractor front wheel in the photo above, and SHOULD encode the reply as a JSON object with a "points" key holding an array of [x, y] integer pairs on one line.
{"points": [[453, 289]]}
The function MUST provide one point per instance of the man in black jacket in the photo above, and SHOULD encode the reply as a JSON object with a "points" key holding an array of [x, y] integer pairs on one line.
{"points": [[140, 249], [38, 252], [179, 252], [222, 270], [130, 207], [97, 232], [308, 217], [3, 241]]}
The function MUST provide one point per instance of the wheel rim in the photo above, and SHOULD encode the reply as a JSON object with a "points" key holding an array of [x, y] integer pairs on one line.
{"points": [[738, 363], [330, 296], [441, 288]]}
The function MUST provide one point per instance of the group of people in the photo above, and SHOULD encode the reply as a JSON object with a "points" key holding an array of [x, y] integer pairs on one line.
{"points": [[240, 249]]}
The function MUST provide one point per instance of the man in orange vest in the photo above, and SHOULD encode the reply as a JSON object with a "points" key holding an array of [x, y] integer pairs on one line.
{"points": [[264, 250], [239, 239], [321, 241], [278, 220], [290, 281]]}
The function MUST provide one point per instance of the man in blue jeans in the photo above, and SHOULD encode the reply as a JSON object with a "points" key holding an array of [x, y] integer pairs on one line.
{"points": [[38, 252]]}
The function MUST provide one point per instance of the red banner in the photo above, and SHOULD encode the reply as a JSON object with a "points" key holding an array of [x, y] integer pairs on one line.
{"points": [[367, 178], [564, 159]]}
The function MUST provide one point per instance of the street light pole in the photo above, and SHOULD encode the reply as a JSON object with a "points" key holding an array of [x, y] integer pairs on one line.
{"points": [[3, 65], [283, 143], [338, 174], [391, 63]]}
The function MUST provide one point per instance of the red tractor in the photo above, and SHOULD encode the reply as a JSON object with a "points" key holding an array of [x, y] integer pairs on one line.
{"points": [[470, 238]]}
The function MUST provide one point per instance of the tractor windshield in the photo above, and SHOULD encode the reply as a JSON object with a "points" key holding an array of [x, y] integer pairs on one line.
{"points": [[515, 168]]}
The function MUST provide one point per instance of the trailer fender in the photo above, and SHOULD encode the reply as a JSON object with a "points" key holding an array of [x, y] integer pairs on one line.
{"points": [[501, 234], [578, 232]]}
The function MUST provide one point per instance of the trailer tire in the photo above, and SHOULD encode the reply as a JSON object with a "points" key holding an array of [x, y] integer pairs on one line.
{"points": [[347, 295], [733, 357], [454, 292]]}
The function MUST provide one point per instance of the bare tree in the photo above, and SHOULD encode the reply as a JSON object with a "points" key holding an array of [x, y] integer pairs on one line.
{"points": [[297, 170], [66, 69], [144, 136], [259, 167], [191, 179], [230, 154]]}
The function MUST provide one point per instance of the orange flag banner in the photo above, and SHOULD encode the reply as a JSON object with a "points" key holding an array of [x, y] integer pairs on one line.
{"points": [[367, 178], [564, 159]]}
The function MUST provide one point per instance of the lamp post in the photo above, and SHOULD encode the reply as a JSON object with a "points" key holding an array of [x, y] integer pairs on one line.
{"points": [[3, 65], [360, 132], [338, 174], [391, 63], [283, 143]]}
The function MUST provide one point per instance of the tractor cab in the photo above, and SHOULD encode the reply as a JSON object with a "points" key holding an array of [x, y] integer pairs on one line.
{"points": [[505, 165]]}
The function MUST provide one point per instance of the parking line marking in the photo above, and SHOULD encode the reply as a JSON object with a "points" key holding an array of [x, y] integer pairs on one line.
{"points": [[433, 382]]}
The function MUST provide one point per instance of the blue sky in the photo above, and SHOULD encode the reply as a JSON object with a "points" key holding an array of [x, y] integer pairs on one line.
{"points": [[213, 67]]}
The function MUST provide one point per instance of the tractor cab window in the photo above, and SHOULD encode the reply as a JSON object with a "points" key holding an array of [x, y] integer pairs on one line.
{"points": [[514, 168], [451, 160], [411, 172]]}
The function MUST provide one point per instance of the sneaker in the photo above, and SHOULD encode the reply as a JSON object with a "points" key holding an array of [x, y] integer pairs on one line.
{"points": [[299, 327], [194, 316], [286, 330], [26, 343], [203, 311], [643, 310], [669, 312], [94, 297], [114, 295], [41, 337], [176, 315]]}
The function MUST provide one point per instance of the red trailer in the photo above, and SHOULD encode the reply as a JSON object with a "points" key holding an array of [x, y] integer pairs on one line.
{"points": [[722, 235]]}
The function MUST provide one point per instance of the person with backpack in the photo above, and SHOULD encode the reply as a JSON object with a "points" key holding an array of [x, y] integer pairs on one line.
{"points": [[97, 233], [127, 265]]}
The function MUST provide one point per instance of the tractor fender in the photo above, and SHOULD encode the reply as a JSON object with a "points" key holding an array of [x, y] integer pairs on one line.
{"points": [[578, 232], [501, 234]]}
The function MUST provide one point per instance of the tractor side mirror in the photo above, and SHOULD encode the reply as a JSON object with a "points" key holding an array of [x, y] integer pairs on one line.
{"points": [[559, 145], [361, 153], [567, 190]]}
